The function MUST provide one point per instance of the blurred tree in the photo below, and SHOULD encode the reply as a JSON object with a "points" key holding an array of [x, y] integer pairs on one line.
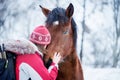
{"points": [[116, 49], [83, 29], [3, 8]]}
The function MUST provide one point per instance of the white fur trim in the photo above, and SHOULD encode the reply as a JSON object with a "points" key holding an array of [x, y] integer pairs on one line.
{"points": [[22, 46]]}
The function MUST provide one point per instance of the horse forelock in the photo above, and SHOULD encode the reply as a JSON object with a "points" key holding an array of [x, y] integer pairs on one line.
{"points": [[57, 14]]}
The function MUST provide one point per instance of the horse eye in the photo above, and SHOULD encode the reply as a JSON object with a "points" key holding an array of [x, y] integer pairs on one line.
{"points": [[66, 32]]}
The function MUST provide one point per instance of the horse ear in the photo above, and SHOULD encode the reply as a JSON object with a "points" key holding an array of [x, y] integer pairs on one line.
{"points": [[70, 10], [45, 10]]}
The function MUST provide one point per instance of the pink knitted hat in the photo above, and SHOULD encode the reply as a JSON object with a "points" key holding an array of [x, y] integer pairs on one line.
{"points": [[40, 35]]}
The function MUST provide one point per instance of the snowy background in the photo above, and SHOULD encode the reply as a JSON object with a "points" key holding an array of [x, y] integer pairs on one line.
{"points": [[98, 27]]}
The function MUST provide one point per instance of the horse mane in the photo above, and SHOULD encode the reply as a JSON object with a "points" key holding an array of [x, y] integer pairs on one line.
{"points": [[74, 28], [58, 14]]}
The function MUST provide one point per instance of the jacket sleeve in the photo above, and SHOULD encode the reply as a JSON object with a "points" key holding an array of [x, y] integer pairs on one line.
{"points": [[53, 71]]}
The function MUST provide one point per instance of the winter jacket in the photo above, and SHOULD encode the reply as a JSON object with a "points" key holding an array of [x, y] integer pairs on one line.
{"points": [[29, 63]]}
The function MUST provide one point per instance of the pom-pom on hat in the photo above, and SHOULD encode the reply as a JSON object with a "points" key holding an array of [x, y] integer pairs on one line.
{"points": [[40, 35]]}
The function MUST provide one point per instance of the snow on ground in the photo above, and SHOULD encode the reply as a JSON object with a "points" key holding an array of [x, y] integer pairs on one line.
{"points": [[101, 74]]}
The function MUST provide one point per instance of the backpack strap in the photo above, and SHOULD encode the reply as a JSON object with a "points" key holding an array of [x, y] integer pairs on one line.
{"points": [[3, 54], [2, 51]]}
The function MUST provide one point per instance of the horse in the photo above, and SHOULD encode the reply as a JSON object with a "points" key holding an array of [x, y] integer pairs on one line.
{"points": [[62, 28]]}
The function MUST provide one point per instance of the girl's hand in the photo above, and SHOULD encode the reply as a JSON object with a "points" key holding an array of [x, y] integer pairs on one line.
{"points": [[56, 58]]}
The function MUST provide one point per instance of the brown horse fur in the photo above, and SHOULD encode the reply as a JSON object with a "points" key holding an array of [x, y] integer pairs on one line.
{"points": [[63, 35]]}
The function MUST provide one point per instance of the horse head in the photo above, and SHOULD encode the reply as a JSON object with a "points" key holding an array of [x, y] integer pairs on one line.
{"points": [[60, 25]]}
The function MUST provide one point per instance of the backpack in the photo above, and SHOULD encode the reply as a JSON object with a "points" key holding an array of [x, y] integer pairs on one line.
{"points": [[7, 64]]}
